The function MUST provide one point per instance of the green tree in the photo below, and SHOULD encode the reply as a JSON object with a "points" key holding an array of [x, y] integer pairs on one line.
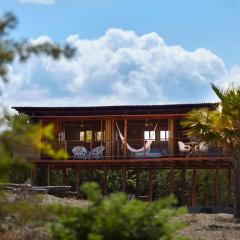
{"points": [[16, 131], [221, 126]]}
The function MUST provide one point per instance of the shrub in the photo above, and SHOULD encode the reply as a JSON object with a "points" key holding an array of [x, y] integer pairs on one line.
{"points": [[115, 218]]}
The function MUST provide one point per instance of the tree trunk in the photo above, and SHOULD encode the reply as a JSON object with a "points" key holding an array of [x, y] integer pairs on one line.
{"points": [[236, 188]]}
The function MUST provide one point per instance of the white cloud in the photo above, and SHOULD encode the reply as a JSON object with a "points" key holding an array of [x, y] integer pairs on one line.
{"points": [[40, 40], [38, 1], [119, 67]]}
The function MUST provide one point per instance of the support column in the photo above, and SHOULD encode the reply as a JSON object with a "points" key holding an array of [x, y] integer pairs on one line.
{"points": [[171, 137], [105, 183], [229, 184], [33, 174], [183, 186], [216, 187], [48, 175], [171, 180], [77, 179], [65, 176], [137, 182], [194, 174], [124, 180], [108, 139], [125, 139], [113, 137], [150, 187]]}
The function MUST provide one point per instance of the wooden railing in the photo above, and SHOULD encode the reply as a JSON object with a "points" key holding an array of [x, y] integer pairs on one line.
{"points": [[158, 149]]}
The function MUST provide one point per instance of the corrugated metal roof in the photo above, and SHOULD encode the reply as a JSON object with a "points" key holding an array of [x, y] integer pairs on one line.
{"points": [[113, 110]]}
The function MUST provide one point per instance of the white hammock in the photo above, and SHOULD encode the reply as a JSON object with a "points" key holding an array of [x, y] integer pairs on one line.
{"points": [[145, 148]]}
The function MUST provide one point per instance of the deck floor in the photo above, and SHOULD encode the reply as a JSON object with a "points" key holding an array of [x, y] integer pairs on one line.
{"points": [[169, 162]]}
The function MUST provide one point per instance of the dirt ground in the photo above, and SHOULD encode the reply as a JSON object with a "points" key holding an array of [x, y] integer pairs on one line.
{"points": [[199, 226], [210, 227]]}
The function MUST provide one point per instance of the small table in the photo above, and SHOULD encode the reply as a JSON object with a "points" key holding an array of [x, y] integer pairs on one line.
{"points": [[192, 145]]}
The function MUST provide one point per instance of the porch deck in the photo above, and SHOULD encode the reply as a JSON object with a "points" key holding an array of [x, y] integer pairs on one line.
{"points": [[194, 162]]}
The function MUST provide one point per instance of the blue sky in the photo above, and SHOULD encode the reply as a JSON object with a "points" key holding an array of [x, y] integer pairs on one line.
{"points": [[206, 33]]}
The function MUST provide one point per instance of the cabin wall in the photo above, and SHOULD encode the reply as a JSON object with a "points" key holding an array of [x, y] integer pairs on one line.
{"points": [[67, 135]]}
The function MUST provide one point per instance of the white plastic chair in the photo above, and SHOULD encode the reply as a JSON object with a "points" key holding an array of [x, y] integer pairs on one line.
{"points": [[97, 152], [79, 152], [183, 148], [201, 147]]}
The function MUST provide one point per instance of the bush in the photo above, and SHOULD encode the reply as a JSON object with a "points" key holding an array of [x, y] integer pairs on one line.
{"points": [[115, 218]]}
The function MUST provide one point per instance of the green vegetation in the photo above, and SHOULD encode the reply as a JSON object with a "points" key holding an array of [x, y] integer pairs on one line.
{"points": [[115, 218], [221, 126]]}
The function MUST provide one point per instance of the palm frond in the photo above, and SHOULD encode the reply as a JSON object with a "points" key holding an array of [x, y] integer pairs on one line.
{"points": [[218, 91]]}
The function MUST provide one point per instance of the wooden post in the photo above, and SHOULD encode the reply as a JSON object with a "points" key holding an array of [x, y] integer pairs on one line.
{"points": [[137, 182], [216, 187], [124, 180], [65, 176], [229, 181], [150, 187], [125, 139], [48, 175], [171, 137], [183, 186], [77, 179], [91, 147], [33, 174], [113, 137], [194, 174], [105, 183], [107, 138], [171, 180], [118, 149]]}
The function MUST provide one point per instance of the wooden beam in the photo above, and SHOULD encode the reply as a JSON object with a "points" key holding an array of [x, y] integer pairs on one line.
{"points": [[108, 138], [137, 182], [113, 137], [115, 117], [48, 175], [125, 138], [118, 149], [171, 175], [156, 163], [183, 186], [150, 187], [216, 187], [65, 176], [194, 174], [105, 183], [229, 186], [77, 178], [124, 180], [171, 136], [33, 174]]}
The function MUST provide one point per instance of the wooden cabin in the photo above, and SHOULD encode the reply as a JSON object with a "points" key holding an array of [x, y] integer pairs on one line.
{"points": [[137, 137]]}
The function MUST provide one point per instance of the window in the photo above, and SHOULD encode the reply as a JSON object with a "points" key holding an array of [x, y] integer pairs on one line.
{"points": [[164, 135], [88, 136], [98, 136], [149, 135], [82, 136]]}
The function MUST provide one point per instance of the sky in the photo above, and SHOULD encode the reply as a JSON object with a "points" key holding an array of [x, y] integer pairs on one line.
{"points": [[128, 52]]}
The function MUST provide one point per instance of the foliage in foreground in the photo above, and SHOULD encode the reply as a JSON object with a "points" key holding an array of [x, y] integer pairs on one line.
{"points": [[19, 134], [115, 218]]}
